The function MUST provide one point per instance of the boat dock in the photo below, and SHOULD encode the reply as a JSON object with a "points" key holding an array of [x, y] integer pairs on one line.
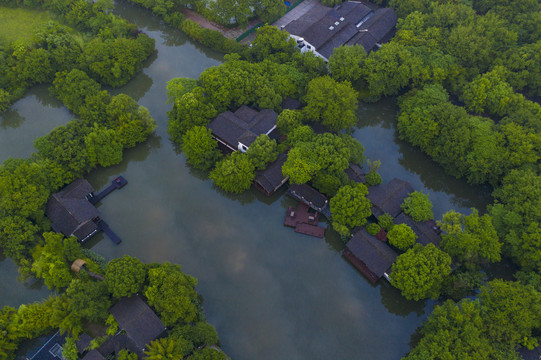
{"points": [[117, 183], [304, 221]]}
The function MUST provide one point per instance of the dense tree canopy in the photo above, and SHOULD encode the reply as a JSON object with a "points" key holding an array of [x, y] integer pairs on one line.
{"points": [[350, 208], [418, 206], [125, 276], [234, 173], [420, 272], [200, 148], [402, 237]]}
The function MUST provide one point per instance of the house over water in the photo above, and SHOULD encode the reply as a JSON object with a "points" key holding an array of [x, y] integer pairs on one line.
{"points": [[238, 130], [138, 320], [71, 213], [389, 197], [310, 197], [369, 255], [323, 29], [272, 178]]}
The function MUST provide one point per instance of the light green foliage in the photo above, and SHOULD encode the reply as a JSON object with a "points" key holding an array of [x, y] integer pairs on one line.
{"points": [[69, 349], [402, 237], [112, 325], [207, 354], [126, 355], [262, 151], [189, 111], [5, 100], [125, 276], [53, 259], [103, 147], [470, 239], [200, 148], [301, 164], [166, 349], [331, 103], [172, 294], [350, 208], [299, 134], [373, 228], [524, 64], [453, 332], [421, 271], [386, 222], [234, 173], [19, 23], [177, 87], [373, 178], [512, 312], [271, 43], [346, 63], [289, 120], [418, 206]]}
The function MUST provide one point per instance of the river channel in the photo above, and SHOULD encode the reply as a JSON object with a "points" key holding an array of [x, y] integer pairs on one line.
{"points": [[271, 293]]}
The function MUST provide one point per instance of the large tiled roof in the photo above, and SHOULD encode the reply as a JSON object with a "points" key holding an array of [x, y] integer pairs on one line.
{"points": [[346, 24], [244, 125], [376, 255], [272, 177], [135, 317], [426, 233], [388, 198]]}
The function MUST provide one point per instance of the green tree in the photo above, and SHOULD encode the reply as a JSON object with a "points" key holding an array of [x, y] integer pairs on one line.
{"points": [[172, 293], [234, 173], [53, 259], [89, 299], [350, 208], [200, 148], [126, 355], [289, 120], [332, 103], [200, 334], [402, 237], [271, 43], [421, 271], [17, 235], [103, 147], [166, 349], [453, 332], [470, 239], [207, 354], [262, 151], [346, 63], [418, 206], [179, 86], [512, 312], [73, 87], [188, 111], [125, 276]]}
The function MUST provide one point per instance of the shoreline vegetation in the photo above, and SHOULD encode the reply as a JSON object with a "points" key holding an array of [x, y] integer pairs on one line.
{"points": [[465, 76], [105, 125]]}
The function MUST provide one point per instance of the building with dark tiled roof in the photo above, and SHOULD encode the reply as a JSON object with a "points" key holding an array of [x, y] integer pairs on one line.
{"points": [[426, 231], [238, 130], [71, 213], [388, 198], [138, 320], [369, 255], [272, 178], [323, 29], [52, 349]]}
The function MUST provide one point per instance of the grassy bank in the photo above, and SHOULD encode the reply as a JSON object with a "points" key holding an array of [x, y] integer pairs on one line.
{"points": [[18, 23]]}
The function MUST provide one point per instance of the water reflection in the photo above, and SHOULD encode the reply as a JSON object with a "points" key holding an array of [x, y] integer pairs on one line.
{"points": [[13, 292], [396, 304], [376, 131], [11, 119]]}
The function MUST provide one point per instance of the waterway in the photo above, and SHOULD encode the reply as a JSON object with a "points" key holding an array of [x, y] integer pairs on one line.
{"points": [[271, 293]]}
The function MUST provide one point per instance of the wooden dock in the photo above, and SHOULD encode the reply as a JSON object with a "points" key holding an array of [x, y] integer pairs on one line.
{"points": [[312, 230], [102, 225], [117, 183]]}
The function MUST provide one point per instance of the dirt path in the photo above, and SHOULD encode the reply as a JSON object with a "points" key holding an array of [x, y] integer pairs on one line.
{"points": [[204, 22]]}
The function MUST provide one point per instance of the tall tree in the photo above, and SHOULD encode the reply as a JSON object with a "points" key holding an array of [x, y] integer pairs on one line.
{"points": [[125, 276], [234, 174], [200, 148], [350, 208]]}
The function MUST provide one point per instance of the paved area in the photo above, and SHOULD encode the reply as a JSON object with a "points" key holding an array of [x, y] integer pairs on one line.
{"points": [[296, 13], [232, 33]]}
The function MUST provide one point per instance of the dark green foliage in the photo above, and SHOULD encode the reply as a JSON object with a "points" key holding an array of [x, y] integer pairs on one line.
{"points": [[211, 38], [331, 103], [262, 151], [89, 299], [200, 334], [350, 208], [402, 237], [172, 294], [234, 173], [179, 86], [73, 87], [418, 206], [188, 111], [421, 272], [125, 276], [207, 354], [200, 148], [373, 178]]}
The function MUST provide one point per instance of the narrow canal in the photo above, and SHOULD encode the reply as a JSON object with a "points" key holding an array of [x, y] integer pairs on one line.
{"points": [[271, 293]]}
